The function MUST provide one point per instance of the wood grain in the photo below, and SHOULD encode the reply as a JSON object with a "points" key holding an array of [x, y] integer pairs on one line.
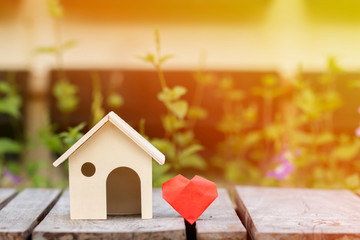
{"points": [[220, 221], [19, 217], [6, 194], [166, 224], [280, 213]]}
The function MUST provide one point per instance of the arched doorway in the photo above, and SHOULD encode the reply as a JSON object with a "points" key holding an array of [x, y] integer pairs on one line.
{"points": [[123, 192]]}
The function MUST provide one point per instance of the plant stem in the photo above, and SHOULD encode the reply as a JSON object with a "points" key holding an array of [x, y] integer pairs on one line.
{"points": [[160, 75], [157, 62]]}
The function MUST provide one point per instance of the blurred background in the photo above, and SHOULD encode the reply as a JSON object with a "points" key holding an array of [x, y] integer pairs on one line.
{"points": [[260, 92]]}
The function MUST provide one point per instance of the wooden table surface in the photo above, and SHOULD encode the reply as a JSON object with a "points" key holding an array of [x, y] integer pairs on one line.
{"points": [[284, 213], [267, 213], [19, 217], [166, 224], [44, 214]]}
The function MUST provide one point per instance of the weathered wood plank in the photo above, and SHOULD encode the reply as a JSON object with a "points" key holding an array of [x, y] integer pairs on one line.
{"points": [[166, 224], [6, 194], [19, 217], [220, 221], [280, 213]]}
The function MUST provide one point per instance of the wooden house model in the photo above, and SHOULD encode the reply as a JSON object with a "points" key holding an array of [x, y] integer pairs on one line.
{"points": [[110, 171]]}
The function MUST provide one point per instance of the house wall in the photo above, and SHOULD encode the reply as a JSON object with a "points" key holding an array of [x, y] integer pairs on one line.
{"points": [[107, 149]]}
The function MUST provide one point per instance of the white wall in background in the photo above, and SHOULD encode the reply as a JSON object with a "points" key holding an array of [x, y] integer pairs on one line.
{"points": [[255, 35]]}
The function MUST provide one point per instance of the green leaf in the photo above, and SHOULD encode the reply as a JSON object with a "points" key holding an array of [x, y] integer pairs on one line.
{"points": [[56, 49], [177, 92], [161, 144], [273, 131], [226, 83], [67, 104], [14, 167], [184, 138], [325, 138], [165, 58], [69, 44], [65, 95], [331, 100], [148, 58], [168, 95], [190, 151], [160, 169], [197, 113], [353, 181], [165, 146], [333, 65], [172, 123], [55, 9], [161, 174], [269, 81], [115, 100], [354, 83], [250, 113], [50, 139], [10, 99], [251, 139], [5, 88], [11, 105], [8, 145], [307, 101], [193, 161], [346, 152], [179, 108], [79, 127], [70, 137], [47, 50]]}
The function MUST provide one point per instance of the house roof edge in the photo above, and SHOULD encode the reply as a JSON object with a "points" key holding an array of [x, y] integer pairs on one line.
{"points": [[122, 126]]}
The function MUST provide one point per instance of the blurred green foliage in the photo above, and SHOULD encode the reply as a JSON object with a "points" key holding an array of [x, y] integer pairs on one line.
{"points": [[301, 132], [97, 110], [179, 143], [11, 102], [13, 170], [10, 105], [64, 91], [291, 145], [278, 133], [65, 95]]}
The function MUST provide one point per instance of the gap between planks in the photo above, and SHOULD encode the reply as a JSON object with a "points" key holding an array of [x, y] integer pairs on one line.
{"points": [[6, 194], [20, 216], [166, 224], [219, 221]]}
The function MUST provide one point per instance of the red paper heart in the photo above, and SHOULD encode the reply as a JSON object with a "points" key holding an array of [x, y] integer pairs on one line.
{"points": [[190, 198]]}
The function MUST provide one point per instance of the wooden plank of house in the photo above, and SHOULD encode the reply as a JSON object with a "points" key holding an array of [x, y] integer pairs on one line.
{"points": [[280, 213], [166, 224], [19, 217], [6, 194], [220, 221]]}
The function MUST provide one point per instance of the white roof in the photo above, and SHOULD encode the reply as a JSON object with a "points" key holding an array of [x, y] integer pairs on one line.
{"points": [[126, 129]]}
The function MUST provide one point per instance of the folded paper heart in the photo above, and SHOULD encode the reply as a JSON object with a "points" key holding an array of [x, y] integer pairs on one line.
{"points": [[190, 198]]}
